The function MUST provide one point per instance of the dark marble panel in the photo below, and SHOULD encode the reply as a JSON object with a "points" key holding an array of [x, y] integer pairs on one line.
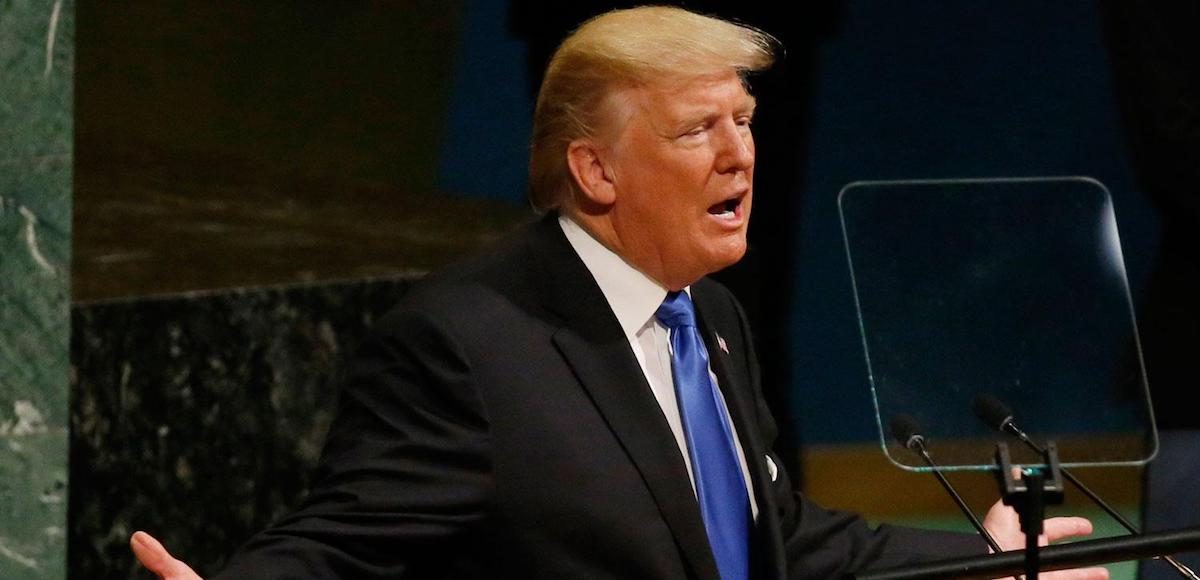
{"points": [[198, 417]]}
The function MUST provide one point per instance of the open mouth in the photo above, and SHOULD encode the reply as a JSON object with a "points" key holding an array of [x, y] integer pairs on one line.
{"points": [[726, 209]]}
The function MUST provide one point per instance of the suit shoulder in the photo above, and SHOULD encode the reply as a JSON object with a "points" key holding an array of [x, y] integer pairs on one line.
{"points": [[503, 258], [500, 270], [710, 286], [715, 299]]}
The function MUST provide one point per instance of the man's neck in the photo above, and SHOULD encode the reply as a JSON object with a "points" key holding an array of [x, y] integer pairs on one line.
{"points": [[600, 228]]}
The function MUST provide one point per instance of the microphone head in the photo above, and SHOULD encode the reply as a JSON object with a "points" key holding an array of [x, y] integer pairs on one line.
{"points": [[992, 411], [907, 431]]}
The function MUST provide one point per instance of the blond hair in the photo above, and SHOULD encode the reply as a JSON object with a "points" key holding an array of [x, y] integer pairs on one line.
{"points": [[633, 47]]}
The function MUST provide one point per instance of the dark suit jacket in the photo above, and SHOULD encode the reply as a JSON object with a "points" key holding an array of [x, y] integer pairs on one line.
{"points": [[498, 425]]}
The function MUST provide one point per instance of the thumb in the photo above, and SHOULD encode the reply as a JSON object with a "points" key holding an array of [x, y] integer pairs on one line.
{"points": [[155, 558]]}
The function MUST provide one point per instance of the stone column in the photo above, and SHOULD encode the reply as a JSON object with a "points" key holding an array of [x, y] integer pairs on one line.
{"points": [[36, 83]]}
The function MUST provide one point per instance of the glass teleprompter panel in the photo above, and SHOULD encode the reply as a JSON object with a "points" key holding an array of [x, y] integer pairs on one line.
{"points": [[1008, 289]]}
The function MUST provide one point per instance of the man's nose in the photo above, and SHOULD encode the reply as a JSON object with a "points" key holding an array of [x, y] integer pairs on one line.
{"points": [[737, 149]]}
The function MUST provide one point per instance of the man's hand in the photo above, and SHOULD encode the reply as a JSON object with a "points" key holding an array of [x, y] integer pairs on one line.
{"points": [[1003, 523], [155, 558]]}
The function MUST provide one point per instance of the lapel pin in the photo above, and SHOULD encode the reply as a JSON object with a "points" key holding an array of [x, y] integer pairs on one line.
{"points": [[721, 344]]}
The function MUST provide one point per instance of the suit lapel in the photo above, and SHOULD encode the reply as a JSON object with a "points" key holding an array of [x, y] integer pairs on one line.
{"points": [[591, 341], [610, 374]]}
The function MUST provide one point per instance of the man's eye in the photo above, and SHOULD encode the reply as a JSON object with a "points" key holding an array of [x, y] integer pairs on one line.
{"points": [[695, 132]]}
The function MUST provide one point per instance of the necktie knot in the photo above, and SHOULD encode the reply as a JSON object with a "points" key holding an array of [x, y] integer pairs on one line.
{"points": [[676, 311]]}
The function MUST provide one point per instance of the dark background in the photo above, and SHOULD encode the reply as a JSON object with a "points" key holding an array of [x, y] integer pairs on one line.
{"points": [[320, 146]]}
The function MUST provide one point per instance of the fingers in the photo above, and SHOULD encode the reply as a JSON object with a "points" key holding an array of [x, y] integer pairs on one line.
{"points": [[155, 558], [1071, 527], [1077, 574], [1001, 522], [1060, 528]]}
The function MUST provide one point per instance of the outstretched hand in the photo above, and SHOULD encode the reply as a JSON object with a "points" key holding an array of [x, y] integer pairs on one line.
{"points": [[1003, 523], [151, 553]]}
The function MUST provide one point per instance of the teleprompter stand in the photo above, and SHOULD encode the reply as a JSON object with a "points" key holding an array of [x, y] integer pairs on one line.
{"points": [[1030, 495]]}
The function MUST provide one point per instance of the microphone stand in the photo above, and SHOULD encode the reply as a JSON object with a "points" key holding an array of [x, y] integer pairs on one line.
{"points": [[907, 431], [962, 505]]}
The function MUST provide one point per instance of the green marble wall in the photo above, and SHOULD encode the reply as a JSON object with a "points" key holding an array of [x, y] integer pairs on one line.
{"points": [[36, 74]]}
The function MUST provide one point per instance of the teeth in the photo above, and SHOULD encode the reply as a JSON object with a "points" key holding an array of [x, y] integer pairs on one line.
{"points": [[726, 210]]}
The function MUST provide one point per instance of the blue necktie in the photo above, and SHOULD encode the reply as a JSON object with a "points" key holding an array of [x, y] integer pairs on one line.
{"points": [[720, 488]]}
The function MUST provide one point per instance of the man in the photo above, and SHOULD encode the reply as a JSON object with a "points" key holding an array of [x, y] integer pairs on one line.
{"points": [[557, 408]]}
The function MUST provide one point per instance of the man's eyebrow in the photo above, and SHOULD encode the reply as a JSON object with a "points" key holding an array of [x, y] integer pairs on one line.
{"points": [[705, 115], [695, 118], [748, 106]]}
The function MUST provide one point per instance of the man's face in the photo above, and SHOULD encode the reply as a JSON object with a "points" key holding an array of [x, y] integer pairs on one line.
{"points": [[682, 166]]}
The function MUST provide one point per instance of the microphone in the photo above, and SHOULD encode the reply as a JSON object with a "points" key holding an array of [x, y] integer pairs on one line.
{"points": [[996, 415], [907, 431]]}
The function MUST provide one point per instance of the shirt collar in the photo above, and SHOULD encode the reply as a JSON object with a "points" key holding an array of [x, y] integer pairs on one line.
{"points": [[633, 296]]}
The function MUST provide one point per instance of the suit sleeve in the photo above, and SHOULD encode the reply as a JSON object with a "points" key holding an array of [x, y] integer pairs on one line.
{"points": [[404, 476], [820, 543]]}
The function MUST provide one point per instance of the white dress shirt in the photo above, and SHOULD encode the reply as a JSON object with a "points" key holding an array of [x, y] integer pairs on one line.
{"points": [[634, 298]]}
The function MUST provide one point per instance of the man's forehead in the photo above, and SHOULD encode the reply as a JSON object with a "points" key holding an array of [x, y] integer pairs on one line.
{"points": [[681, 85], [673, 100], [685, 87], [694, 96]]}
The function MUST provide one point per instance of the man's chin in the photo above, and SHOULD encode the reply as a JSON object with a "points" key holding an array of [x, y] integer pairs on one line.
{"points": [[726, 257]]}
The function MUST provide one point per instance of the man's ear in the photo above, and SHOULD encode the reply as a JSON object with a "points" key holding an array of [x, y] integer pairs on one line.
{"points": [[588, 168]]}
